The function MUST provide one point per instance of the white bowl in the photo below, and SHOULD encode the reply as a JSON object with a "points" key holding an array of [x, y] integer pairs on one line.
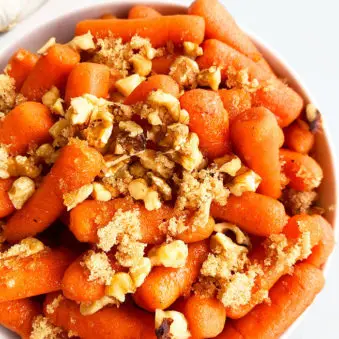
{"points": [[63, 28]]}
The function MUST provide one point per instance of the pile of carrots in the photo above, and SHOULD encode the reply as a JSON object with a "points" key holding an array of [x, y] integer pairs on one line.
{"points": [[266, 128]]}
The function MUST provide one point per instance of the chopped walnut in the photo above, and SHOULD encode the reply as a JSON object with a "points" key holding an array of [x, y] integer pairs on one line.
{"points": [[297, 202], [89, 308], [7, 93], [101, 193], [61, 131], [23, 249], [120, 285], [163, 188], [23, 166], [76, 197], [240, 237], [127, 85], [210, 77], [141, 65], [49, 43], [131, 127], [229, 164], [80, 111], [246, 182], [22, 189], [192, 50], [171, 324], [184, 71], [48, 153], [176, 136], [4, 163], [140, 271], [53, 101], [240, 79], [82, 42]]}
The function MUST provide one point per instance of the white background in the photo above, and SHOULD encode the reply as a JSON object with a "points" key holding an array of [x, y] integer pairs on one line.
{"points": [[305, 33]]}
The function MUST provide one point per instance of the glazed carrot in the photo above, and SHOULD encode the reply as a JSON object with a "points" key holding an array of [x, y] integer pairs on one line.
{"points": [[164, 285], [303, 172], [90, 78], [208, 119], [255, 213], [162, 64], [141, 12], [107, 16], [51, 70], [220, 25], [6, 206], [298, 137], [256, 138], [205, 316], [229, 332], [25, 126], [37, 274], [282, 100], [20, 65], [153, 83], [76, 166], [235, 101], [124, 322], [18, 315]]}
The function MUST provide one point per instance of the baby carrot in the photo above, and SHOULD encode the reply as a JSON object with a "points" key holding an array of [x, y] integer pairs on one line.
{"points": [[153, 83], [162, 64], [159, 30], [303, 172], [20, 65], [18, 315], [90, 78], [76, 166], [33, 275], [229, 332], [51, 70], [208, 119], [271, 93], [124, 322], [25, 126], [254, 213], [141, 12], [255, 136], [6, 206], [164, 285]]}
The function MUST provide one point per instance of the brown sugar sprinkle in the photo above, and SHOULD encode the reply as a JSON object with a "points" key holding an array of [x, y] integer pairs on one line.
{"points": [[7, 93], [43, 329], [297, 202]]}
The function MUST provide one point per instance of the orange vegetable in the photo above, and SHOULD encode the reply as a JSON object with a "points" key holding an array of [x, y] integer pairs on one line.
{"points": [[164, 285], [141, 12], [37, 274], [160, 30], [229, 332], [76, 166], [303, 172], [256, 137], [20, 65], [25, 126], [18, 315], [6, 206], [162, 64], [153, 83], [125, 322], [51, 70], [273, 94], [90, 78], [208, 119], [255, 213]]}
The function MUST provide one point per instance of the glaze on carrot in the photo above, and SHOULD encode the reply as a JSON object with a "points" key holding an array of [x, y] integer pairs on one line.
{"points": [[6, 206], [142, 12], [162, 64]]}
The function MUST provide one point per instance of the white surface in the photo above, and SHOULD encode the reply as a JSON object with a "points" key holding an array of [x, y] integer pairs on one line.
{"points": [[304, 32]]}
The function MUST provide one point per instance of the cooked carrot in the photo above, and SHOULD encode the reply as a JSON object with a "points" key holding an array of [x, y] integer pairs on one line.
{"points": [[124, 322], [153, 83], [20, 65], [205, 316], [37, 274], [255, 213], [141, 12], [220, 25], [25, 126], [235, 101], [298, 137], [162, 64], [164, 285], [76, 166], [230, 332], [303, 172], [90, 78], [208, 119], [273, 94], [6, 206], [51, 70], [255, 135], [18, 315], [107, 16]]}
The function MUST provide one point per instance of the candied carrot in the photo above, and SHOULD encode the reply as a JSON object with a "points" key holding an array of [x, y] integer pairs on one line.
{"points": [[37, 274], [76, 166], [271, 93], [229, 332], [124, 322], [208, 119], [141, 12], [303, 172], [20, 65], [90, 78], [18, 315], [255, 213], [298, 137], [153, 83], [164, 285], [51, 70], [159, 30], [25, 126], [162, 64], [6, 206], [107, 16], [256, 137]]}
